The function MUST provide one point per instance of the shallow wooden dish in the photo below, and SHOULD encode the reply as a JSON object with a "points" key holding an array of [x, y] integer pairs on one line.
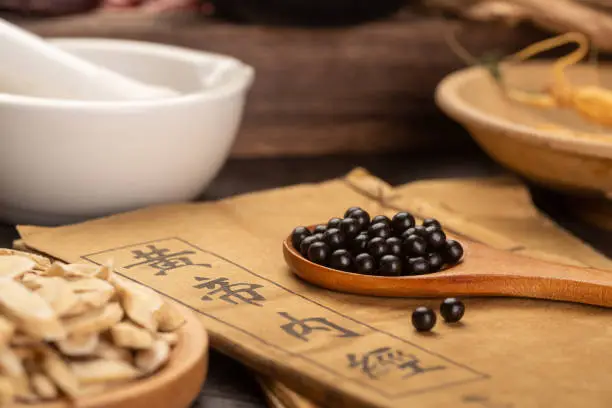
{"points": [[483, 272], [176, 385], [507, 130]]}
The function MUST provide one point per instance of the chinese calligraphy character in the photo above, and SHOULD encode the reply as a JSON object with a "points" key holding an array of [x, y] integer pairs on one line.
{"points": [[241, 292], [302, 328], [163, 260], [380, 361]]}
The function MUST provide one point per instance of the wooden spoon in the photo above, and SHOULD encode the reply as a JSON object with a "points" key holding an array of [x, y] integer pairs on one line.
{"points": [[484, 271], [176, 385]]}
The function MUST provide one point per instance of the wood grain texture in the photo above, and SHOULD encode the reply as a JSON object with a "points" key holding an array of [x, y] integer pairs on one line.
{"points": [[176, 385], [366, 88], [483, 272]]}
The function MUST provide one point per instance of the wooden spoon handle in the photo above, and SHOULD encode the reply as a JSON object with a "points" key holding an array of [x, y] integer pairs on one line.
{"points": [[495, 272], [587, 290]]}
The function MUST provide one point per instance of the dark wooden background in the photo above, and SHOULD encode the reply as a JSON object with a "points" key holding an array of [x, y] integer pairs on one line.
{"points": [[366, 88]]}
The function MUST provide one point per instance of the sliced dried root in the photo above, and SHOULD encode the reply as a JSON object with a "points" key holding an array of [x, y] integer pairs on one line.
{"points": [[103, 371], [7, 392], [15, 266], [140, 303], [151, 360], [43, 387], [63, 333], [32, 313], [171, 338], [128, 335], [60, 373], [97, 320], [41, 262], [58, 294], [108, 351], [79, 345]]}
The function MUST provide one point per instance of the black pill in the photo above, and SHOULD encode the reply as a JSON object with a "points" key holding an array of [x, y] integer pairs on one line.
{"points": [[390, 265], [452, 252], [350, 228], [416, 266], [341, 260], [298, 234], [362, 218], [401, 222], [381, 218], [334, 238], [359, 244], [350, 210], [414, 246], [306, 242], [432, 222], [423, 318], [377, 247], [435, 237], [452, 310], [394, 246], [334, 223], [318, 252], [365, 264], [419, 230], [436, 262], [320, 229], [380, 229]]}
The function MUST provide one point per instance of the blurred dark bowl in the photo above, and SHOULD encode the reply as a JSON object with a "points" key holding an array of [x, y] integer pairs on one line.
{"points": [[48, 7], [305, 12]]}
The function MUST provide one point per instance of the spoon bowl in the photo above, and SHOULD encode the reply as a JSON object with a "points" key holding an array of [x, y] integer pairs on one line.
{"points": [[484, 271]]}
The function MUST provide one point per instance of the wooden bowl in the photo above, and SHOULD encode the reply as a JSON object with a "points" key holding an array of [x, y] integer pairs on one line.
{"points": [[507, 130], [176, 385]]}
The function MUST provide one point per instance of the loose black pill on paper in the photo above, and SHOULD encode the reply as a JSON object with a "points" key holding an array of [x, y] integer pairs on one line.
{"points": [[381, 219], [298, 235], [432, 222], [350, 210], [452, 310], [394, 246], [377, 247], [350, 228], [334, 223], [341, 260], [416, 266], [452, 252], [320, 229], [362, 218], [334, 238], [359, 244], [390, 265], [436, 262], [380, 229], [306, 242], [365, 264], [414, 245], [435, 237], [401, 222], [423, 319], [319, 252]]}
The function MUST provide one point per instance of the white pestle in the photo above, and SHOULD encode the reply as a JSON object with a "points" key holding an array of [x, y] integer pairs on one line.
{"points": [[31, 66]]}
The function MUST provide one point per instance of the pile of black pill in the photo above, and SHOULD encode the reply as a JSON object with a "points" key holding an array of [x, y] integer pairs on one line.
{"points": [[378, 246]]}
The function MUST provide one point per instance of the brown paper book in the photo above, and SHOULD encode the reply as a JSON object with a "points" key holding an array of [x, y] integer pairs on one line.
{"points": [[224, 260]]}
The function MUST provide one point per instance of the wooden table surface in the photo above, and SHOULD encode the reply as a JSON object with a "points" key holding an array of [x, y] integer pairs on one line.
{"points": [[229, 384]]}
